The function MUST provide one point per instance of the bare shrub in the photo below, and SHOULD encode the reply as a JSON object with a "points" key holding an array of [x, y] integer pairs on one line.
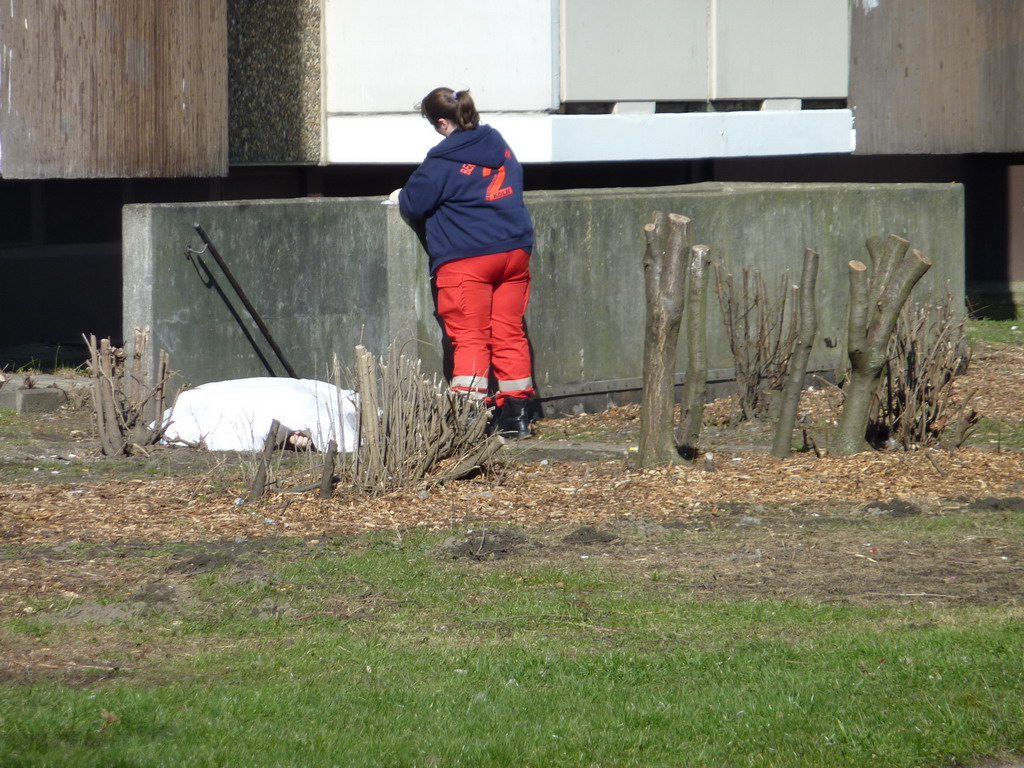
{"points": [[413, 430], [914, 407], [762, 333], [129, 411]]}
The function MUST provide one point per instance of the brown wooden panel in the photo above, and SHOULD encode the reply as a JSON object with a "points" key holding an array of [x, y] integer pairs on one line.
{"points": [[113, 88], [938, 76]]}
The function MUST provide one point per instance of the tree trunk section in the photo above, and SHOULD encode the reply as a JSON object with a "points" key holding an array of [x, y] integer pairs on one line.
{"points": [[808, 327], [875, 306], [259, 482], [664, 274], [327, 474], [695, 383], [111, 441], [370, 445]]}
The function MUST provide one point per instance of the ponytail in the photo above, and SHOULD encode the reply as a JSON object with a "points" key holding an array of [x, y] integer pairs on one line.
{"points": [[455, 106]]}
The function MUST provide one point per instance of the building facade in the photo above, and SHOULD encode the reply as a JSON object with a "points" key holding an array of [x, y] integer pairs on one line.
{"points": [[108, 102]]}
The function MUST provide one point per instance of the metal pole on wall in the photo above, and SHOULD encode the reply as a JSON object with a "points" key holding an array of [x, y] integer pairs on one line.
{"points": [[245, 300]]}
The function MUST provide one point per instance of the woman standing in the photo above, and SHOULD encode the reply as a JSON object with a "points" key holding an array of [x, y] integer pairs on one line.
{"points": [[469, 193]]}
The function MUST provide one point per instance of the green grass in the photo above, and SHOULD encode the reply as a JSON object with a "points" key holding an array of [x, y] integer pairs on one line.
{"points": [[388, 655], [12, 432], [992, 432], [350, 701], [1004, 331], [8, 423]]}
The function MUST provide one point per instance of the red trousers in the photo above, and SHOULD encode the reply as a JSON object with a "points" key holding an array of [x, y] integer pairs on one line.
{"points": [[481, 301]]}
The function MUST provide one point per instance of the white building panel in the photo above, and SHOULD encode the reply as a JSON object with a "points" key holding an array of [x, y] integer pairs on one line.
{"points": [[522, 58], [385, 55], [702, 135], [406, 139], [765, 49], [591, 138], [643, 50]]}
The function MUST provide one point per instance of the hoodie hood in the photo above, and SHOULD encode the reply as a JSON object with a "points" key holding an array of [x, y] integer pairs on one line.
{"points": [[482, 146]]}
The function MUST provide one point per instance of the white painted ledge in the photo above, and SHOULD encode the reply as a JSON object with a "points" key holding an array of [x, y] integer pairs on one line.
{"points": [[544, 138]]}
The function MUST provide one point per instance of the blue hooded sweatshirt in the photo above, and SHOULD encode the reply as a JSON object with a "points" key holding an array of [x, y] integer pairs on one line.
{"points": [[469, 190]]}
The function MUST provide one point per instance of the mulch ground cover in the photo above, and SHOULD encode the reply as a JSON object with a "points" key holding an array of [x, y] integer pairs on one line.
{"points": [[737, 524]]}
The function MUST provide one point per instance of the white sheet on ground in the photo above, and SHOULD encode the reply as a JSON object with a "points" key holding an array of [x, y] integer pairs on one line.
{"points": [[235, 415]]}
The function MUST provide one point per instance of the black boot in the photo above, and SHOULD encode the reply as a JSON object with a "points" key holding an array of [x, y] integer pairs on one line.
{"points": [[494, 421], [514, 417]]}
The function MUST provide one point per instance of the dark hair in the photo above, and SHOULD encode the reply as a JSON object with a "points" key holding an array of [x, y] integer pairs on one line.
{"points": [[456, 106]]}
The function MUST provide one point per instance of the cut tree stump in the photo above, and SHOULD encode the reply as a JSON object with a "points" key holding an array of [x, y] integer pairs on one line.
{"points": [[875, 305], [259, 482], [695, 381], [808, 327], [664, 272]]}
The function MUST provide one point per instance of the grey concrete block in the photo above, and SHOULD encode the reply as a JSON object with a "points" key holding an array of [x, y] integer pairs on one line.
{"points": [[32, 400]]}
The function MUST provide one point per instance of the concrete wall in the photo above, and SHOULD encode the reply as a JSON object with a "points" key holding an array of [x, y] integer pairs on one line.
{"points": [[316, 270], [588, 294], [327, 273]]}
